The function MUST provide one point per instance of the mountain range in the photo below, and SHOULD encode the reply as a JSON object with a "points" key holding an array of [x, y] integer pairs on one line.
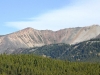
{"points": [[84, 51], [30, 38]]}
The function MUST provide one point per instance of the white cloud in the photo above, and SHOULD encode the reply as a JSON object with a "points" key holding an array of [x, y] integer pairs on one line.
{"points": [[79, 13]]}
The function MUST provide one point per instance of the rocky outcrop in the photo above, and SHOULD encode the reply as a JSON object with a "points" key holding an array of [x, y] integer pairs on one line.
{"points": [[30, 37]]}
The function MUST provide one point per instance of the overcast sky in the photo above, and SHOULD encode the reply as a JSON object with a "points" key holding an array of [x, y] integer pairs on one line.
{"points": [[47, 14]]}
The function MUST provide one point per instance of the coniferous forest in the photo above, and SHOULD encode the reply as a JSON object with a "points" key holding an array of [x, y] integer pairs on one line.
{"points": [[25, 64], [83, 51]]}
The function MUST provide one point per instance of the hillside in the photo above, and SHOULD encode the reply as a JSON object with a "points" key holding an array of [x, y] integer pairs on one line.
{"points": [[30, 37], [36, 65], [83, 51]]}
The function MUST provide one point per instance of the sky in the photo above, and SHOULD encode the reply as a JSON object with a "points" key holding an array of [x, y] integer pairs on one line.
{"points": [[47, 14]]}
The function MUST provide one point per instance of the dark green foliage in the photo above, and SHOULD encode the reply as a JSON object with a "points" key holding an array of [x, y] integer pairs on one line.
{"points": [[36, 65], [84, 51], [53, 50]]}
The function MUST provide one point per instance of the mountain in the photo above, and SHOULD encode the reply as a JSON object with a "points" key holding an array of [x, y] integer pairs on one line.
{"points": [[83, 51], [30, 37], [98, 36]]}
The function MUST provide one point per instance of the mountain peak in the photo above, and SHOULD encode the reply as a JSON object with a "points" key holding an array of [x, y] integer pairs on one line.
{"points": [[30, 37], [28, 28]]}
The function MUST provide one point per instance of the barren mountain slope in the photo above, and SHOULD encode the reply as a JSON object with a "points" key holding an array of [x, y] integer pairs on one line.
{"points": [[30, 37]]}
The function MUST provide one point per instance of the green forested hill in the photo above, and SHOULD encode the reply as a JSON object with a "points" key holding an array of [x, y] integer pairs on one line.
{"points": [[36, 65], [84, 51]]}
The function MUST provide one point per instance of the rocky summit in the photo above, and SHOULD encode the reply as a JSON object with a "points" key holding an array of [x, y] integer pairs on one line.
{"points": [[30, 37]]}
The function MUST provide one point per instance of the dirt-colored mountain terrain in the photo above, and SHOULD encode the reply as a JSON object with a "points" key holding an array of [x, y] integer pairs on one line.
{"points": [[30, 37]]}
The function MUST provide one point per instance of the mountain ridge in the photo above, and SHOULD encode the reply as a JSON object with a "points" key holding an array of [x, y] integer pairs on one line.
{"points": [[30, 37], [88, 51]]}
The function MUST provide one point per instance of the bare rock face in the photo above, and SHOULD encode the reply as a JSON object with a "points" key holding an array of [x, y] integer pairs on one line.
{"points": [[30, 37]]}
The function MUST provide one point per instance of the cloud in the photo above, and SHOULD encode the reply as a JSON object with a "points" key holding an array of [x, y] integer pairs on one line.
{"points": [[78, 13]]}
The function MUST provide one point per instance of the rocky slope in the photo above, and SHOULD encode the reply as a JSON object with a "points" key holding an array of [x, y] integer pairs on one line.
{"points": [[30, 37]]}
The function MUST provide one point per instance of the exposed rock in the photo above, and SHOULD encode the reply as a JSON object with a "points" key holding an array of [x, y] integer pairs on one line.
{"points": [[30, 37]]}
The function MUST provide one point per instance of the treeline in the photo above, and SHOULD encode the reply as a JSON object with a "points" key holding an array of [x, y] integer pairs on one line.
{"points": [[83, 51], [36, 65]]}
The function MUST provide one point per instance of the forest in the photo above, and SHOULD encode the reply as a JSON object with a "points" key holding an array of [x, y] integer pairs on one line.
{"points": [[29, 64], [83, 51]]}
